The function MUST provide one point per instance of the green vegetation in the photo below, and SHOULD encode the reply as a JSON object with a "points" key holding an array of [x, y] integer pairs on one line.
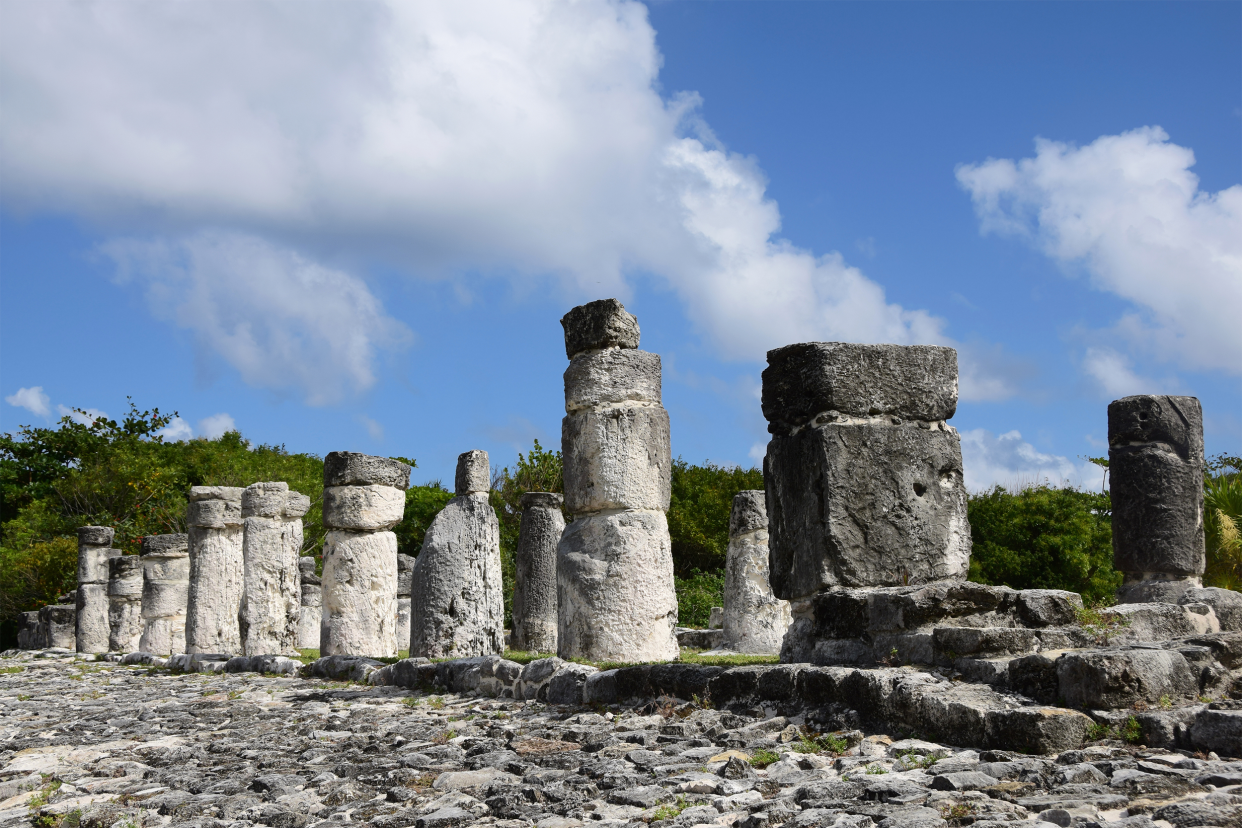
{"points": [[671, 810], [1222, 522], [422, 504], [764, 757], [696, 595], [820, 743]]}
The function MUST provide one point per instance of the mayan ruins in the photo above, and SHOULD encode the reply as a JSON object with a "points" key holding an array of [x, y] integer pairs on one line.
{"points": [[534, 582], [217, 570], [310, 618], [165, 593], [753, 621], [91, 611], [271, 607]]}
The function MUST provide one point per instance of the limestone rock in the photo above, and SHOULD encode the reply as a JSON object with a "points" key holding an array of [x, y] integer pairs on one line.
{"points": [[95, 536], [30, 636], [58, 626], [91, 617], [612, 377], [363, 508], [534, 591], [754, 620], [311, 619], [124, 603], [271, 605], [615, 594], [616, 458], [1225, 603], [165, 593], [217, 570], [473, 473], [597, 325], [1106, 679], [348, 468], [457, 605], [359, 594]]}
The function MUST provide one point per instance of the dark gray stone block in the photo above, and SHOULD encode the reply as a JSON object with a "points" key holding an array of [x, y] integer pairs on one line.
{"points": [[405, 577], [600, 324], [534, 589], [473, 473], [1110, 679], [95, 535], [750, 512], [306, 569], [349, 468], [157, 544]]}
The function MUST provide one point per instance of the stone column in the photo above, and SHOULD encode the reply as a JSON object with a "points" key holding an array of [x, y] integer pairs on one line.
{"points": [[615, 595], [534, 588], [863, 477], [216, 570], [363, 497], [457, 604], [92, 598], [58, 626], [271, 606], [754, 620], [1155, 469], [311, 619], [405, 583], [30, 636], [165, 593], [124, 603]]}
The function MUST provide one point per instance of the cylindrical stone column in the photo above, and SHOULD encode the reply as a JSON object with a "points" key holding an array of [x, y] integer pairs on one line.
{"points": [[754, 620], [271, 606], [125, 603], [216, 570], [92, 598], [1155, 469], [363, 497], [405, 583], [534, 588], [615, 595], [457, 606], [311, 619], [165, 593], [58, 626]]}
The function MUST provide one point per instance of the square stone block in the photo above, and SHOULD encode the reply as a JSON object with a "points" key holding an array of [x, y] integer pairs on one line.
{"points": [[617, 458], [600, 324], [349, 468], [362, 508], [610, 377]]}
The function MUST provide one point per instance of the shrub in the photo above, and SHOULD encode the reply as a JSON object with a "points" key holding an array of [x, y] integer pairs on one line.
{"points": [[696, 595]]}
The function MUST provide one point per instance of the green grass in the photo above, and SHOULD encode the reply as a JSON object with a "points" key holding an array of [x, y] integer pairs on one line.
{"points": [[762, 758], [670, 811], [821, 743], [525, 656], [4, 671]]}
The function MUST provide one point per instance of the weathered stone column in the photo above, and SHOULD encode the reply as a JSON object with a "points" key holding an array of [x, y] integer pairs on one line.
{"points": [[92, 599], [1155, 469], [615, 594], [124, 603], [271, 606], [310, 623], [30, 636], [165, 593], [457, 603], [534, 589], [405, 584], [363, 497], [217, 570], [58, 626], [754, 620]]}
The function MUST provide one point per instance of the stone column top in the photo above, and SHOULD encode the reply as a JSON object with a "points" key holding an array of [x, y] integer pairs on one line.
{"points": [[95, 535], [1157, 418], [306, 566], [750, 512], [273, 500], [166, 545], [349, 468], [473, 473], [542, 500], [231, 494], [600, 324]]}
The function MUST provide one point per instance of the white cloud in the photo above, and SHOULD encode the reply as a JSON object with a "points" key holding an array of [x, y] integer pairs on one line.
{"points": [[178, 430], [375, 429], [1115, 376], [33, 400], [86, 416], [1128, 208], [215, 426], [1010, 461], [520, 138]]}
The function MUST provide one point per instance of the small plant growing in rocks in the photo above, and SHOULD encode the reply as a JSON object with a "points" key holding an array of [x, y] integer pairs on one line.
{"points": [[875, 770], [670, 811], [763, 757], [820, 743], [1132, 731], [1165, 702], [1099, 624], [956, 812]]}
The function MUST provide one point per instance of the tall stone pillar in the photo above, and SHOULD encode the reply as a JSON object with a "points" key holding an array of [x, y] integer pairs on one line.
{"points": [[754, 620], [863, 476], [217, 570], [125, 603], [1155, 469], [405, 585], [457, 606], [615, 594], [92, 598], [310, 622], [363, 497], [534, 588], [165, 593], [271, 606]]}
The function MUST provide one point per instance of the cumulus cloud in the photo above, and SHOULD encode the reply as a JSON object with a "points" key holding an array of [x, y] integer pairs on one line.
{"points": [[247, 143], [178, 430], [1128, 209], [1010, 461], [215, 426], [33, 400]]}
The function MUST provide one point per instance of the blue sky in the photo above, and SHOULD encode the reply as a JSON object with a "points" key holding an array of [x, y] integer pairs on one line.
{"points": [[357, 228]]}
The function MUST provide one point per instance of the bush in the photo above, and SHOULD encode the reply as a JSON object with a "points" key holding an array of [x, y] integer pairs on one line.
{"points": [[696, 595], [698, 514], [422, 504]]}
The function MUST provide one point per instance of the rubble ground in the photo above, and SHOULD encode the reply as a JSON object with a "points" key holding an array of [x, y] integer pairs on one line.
{"points": [[87, 744]]}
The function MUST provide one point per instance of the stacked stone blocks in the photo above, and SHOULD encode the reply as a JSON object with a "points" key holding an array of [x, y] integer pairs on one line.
{"points": [[271, 605], [91, 616], [217, 570], [165, 593], [125, 581], [754, 621]]}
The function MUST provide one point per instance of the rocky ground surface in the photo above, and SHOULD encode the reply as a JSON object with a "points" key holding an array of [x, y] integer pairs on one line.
{"points": [[105, 745]]}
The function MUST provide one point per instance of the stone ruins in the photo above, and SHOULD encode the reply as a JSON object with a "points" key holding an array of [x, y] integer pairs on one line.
{"points": [[405, 586], [271, 608], [457, 601], [91, 616], [363, 498], [615, 594], [217, 568], [125, 603], [165, 593], [534, 582], [311, 621], [754, 620]]}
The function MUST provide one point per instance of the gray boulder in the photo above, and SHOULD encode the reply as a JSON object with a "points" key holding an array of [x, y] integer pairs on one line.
{"points": [[1110, 679]]}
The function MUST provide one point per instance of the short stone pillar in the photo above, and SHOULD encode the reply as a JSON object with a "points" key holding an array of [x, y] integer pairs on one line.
{"points": [[1155, 469], [534, 587], [754, 620], [94, 550], [217, 570], [310, 623], [405, 583], [125, 603], [58, 626], [30, 635], [615, 595], [271, 606], [165, 593], [363, 497], [863, 476], [457, 606]]}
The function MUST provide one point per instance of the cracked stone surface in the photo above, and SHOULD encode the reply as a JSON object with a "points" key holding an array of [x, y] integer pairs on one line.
{"points": [[98, 744]]}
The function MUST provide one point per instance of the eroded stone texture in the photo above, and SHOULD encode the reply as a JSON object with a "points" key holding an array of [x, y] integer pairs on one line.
{"points": [[359, 594], [616, 458], [217, 570], [91, 616], [58, 626], [612, 376], [1155, 450], [165, 593], [534, 589], [754, 620], [457, 603], [473, 473], [603, 323], [405, 584], [272, 542], [30, 636], [310, 622], [125, 603], [349, 468]]}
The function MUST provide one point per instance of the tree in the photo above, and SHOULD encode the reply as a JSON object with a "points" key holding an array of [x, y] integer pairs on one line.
{"points": [[698, 514], [1222, 522], [422, 504]]}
